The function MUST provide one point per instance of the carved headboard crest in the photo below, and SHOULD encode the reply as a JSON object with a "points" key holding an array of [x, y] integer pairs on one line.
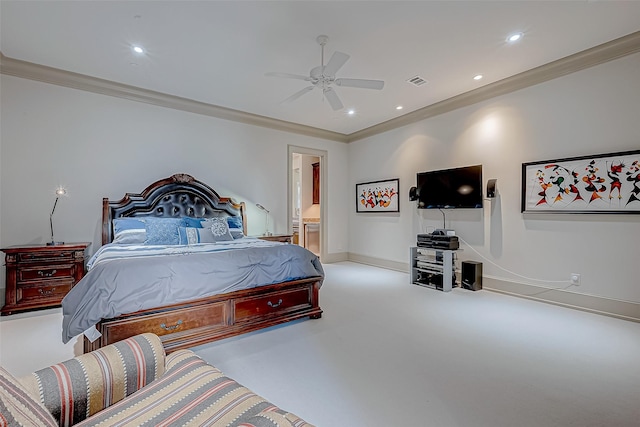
{"points": [[182, 177], [177, 196]]}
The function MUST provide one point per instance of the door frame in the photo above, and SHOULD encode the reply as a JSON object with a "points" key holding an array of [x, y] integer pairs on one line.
{"points": [[324, 200]]}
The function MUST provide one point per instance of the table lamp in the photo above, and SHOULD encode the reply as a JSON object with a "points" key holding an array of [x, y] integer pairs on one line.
{"points": [[266, 226], [60, 191]]}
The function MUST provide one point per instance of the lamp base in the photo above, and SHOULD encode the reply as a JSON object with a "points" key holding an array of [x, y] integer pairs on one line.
{"points": [[54, 243]]}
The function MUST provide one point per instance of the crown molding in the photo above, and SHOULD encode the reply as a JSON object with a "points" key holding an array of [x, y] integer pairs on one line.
{"points": [[41, 73], [605, 52]]}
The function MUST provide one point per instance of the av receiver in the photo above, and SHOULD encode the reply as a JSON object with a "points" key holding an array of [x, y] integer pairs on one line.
{"points": [[438, 241]]}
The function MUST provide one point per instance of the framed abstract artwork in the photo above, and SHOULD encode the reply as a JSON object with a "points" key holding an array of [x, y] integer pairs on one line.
{"points": [[605, 183], [378, 196]]}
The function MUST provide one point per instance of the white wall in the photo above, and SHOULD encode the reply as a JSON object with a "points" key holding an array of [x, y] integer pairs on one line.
{"points": [[590, 112], [100, 146]]}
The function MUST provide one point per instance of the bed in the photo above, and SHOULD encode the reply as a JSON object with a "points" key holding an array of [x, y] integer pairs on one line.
{"points": [[194, 292]]}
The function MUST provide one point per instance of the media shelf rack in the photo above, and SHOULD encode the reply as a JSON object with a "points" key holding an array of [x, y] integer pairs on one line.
{"points": [[433, 268]]}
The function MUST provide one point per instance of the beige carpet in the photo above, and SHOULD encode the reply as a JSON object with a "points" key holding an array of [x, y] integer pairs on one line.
{"points": [[387, 353]]}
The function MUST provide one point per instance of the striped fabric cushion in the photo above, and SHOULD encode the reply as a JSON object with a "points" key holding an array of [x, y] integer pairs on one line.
{"points": [[18, 407], [194, 393], [80, 387], [272, 418]]}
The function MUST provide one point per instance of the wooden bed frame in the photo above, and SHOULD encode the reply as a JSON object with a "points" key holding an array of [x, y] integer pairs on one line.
{"points": [[208, 319]]}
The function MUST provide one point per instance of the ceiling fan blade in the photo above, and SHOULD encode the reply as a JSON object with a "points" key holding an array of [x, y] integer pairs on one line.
{"points": [[298, 94], [335, 63], [332, 98], [288, 76], [360, 83]]}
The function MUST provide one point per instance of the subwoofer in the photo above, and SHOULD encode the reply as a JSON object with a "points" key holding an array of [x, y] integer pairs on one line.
{"points": [[472, 275]]}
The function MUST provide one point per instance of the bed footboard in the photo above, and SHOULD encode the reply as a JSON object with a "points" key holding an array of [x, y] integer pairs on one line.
{"points": [[209, 319]]}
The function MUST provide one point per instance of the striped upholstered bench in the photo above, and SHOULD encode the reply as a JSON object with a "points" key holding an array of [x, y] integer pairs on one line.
{"points": [[133, 383]]}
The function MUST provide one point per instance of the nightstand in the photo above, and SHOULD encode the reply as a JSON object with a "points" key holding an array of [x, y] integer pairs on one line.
{"points": [[284, 238], [39, 276]]}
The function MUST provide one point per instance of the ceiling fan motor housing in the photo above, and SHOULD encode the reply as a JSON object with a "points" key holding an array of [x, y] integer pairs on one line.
{"points": [[322, 40]]}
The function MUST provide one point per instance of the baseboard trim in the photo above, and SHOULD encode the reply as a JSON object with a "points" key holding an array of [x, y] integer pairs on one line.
{"points": [[335, 257], [625, 310], [379, 262]]}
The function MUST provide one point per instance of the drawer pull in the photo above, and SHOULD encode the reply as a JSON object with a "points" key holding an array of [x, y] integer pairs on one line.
{"points": [[46, 293], [270, 304], [48, 274], [171, 328]]}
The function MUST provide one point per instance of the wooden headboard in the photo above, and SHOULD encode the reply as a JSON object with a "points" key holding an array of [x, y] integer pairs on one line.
{"points": [[179, 195]]}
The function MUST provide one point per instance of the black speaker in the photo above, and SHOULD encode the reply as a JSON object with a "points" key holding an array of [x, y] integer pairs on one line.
{"points": [[472, 275], [491, 188], [413, 194]]}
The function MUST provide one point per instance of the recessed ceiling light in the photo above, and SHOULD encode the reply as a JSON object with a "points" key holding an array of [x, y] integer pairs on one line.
{"points": [[351, 112], [514, 37], [137, 49], [478, 77], [399, 107]]}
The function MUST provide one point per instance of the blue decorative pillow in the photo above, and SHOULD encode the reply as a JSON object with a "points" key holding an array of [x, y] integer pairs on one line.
{"points": [[193, 222], [163, 231], [235, 226], [129, 230], [219, 228]]}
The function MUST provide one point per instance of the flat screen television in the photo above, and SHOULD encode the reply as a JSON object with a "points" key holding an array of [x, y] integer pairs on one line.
{"points": [[458, 188]]}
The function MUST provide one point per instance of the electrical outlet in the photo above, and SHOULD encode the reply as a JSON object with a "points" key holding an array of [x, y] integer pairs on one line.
{"points": [[575, 279]]}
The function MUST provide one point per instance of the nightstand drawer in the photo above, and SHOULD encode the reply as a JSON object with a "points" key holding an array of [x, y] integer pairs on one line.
{"points": [[44, 256], [44, 272], [55, 291]]}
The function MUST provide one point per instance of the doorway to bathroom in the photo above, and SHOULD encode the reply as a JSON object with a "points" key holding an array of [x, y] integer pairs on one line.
{"points": [[307, 197]]}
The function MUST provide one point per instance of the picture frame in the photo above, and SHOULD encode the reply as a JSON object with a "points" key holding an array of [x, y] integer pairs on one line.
{"points": [[603, 183], [378, 196]]}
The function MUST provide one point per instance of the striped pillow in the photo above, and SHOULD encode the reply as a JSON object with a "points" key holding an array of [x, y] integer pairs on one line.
{"points": [[18, 407], [193, 235], [129, 230]]}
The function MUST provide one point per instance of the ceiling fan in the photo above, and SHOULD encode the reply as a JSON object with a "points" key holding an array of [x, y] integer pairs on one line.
{"points": [[323, 77]]}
